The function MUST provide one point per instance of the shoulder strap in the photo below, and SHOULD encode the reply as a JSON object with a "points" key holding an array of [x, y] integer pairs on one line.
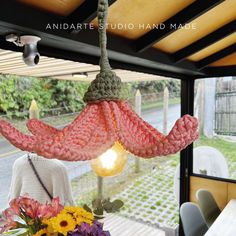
{"points": [[38, 177]]}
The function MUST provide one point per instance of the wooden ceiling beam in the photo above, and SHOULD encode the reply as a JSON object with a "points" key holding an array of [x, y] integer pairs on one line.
{"points": [[206, 41], [194, 10], [216, 56], [219, 71]]}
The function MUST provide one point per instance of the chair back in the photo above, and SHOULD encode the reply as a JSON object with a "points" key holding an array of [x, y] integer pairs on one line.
{"points": [[192, 220], [208, 206]]}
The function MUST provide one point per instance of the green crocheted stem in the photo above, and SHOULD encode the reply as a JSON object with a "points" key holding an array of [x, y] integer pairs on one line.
{"points": [[102, 25], [107, 85]]}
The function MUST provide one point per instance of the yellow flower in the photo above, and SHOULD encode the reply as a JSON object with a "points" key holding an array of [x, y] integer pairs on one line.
{"points": [[42, 232], [63, 223], [85, 214], [48, 223], [45, 221], [79, 214], [69, 209]]}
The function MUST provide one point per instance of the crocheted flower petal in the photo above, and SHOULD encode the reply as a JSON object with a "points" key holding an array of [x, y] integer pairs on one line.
{"points": [[39, 128], [79, 119], [143, 140], [86, 139], [15, 137], [183, 133], [133, 132], [94, 134]]}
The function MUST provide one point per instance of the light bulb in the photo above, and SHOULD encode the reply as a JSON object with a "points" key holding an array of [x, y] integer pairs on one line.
{"points": [[111, 162], [108, 159]]}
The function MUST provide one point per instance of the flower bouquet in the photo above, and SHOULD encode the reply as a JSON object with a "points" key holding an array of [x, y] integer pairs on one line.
{"points": [[28, 217]]}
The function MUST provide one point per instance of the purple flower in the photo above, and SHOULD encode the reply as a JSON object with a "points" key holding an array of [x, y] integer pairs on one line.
{"points": [[96, 229], [85, 228]]}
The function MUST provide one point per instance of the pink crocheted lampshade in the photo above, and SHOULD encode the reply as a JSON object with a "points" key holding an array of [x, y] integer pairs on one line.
{"points": [[96, 129]]}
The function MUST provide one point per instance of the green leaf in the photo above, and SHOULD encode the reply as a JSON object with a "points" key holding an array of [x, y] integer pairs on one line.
{"points": [[107, 205], [16, 232], [98, 212], [87, 208], [98, 217], [117, 204]]}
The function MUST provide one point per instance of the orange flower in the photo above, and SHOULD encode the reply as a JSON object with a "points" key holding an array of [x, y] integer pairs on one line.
{"points": [[50, 210], [29, 206]]}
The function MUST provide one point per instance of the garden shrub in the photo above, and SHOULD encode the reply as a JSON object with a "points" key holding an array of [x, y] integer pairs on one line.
{"points": [[16, 94]]}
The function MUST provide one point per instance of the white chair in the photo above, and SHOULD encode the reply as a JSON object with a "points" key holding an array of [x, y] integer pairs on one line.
{"points": [[192, 220]]}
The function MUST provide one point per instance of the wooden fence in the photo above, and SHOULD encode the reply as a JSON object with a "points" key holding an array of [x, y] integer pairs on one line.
{"points": [[225, 113]]}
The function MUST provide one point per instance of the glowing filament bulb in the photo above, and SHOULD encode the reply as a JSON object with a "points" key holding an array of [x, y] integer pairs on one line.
{"points": [[111, 162], [108, 159]]}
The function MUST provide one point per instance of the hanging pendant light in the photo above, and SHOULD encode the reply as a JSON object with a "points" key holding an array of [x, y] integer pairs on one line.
{"points": [[111, 162], [106, 119]]}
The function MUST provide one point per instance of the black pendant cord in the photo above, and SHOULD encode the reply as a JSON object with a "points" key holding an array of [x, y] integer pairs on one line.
{"points": [[38, 177]]}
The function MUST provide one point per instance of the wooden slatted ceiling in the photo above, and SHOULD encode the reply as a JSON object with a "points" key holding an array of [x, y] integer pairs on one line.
{"points": [[214, 19], [205, 24], [60, 7], [141, 15], [133, 19], [221, 44], [226, 61], [11, 63]]}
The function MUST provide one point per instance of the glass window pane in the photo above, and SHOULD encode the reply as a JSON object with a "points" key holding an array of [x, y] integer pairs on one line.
{"points": [[215, 107], [151, 194]]}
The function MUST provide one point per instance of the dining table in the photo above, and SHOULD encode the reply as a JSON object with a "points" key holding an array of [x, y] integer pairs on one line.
{"points": [[225, 223]]}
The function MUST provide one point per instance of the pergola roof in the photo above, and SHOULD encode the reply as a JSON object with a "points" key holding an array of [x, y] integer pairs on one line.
{"points": [[12, 63], [205, 47]]}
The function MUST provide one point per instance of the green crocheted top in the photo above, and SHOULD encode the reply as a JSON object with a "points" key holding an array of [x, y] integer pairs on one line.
{"points": [[107, 85]]}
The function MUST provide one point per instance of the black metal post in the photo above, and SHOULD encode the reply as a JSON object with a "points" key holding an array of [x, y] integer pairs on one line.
{"points": [[186, 156]]}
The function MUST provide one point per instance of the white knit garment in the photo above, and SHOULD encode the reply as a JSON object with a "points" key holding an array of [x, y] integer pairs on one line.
{"points": [[53, 174]]}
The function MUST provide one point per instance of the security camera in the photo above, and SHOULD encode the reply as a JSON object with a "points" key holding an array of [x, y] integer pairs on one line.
{"points": [[30, 55]]}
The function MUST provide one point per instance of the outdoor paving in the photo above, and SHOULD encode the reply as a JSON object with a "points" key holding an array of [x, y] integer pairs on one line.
{"points": [[150, 199]]}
